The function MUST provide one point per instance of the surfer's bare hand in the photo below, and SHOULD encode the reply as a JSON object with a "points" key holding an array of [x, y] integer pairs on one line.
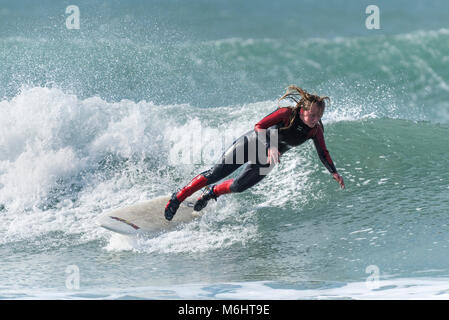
{"points": [[339, 179], [273, 155]]}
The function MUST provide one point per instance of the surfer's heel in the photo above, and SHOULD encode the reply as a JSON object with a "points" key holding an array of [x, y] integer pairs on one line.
{"points": [[201, 203], [171, 207]]}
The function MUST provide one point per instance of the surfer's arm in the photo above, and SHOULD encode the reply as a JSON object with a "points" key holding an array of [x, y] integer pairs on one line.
{"points": [[279, 116], [320, 145], [275, 120], [325, 157]]}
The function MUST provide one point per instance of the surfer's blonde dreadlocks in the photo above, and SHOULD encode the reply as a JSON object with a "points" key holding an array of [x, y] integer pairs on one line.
{"points": [[293, 93]]}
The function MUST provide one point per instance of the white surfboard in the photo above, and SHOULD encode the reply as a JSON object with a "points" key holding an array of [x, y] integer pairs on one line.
{"points": [[148, 217]]}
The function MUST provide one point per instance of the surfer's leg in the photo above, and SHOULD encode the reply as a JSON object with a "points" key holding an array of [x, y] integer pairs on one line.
{"points": [[216, 173], [232, 158], [251, 175], [235, 156], [213, 175]]}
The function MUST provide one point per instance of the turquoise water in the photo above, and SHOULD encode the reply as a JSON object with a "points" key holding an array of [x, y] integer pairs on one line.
{"points": [[90, 119]]}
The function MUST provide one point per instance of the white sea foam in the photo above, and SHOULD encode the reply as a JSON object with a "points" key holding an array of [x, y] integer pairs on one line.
{"points": [[51, 141], [392, 289]]}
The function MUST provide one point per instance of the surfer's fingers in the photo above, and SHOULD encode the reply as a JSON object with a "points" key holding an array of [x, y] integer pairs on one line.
{"points": [[341, 182], [339, 179]]}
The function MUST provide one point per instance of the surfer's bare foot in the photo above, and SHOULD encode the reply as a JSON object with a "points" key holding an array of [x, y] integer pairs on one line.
{"points": [[202, 201], [171, 207]]}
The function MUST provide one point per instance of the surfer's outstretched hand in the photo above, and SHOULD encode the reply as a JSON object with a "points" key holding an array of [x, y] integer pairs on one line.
{"points": [[339, 179]]}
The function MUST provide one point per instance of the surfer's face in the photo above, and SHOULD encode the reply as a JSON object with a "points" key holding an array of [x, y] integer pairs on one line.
{"points": [[312, 116]]}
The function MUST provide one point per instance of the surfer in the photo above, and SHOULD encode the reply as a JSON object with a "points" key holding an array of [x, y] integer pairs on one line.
{"points": [[291, 126]]}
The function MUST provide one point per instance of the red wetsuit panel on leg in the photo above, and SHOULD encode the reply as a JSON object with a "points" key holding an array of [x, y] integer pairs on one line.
{"points": [[196, 184], [223, 188]]}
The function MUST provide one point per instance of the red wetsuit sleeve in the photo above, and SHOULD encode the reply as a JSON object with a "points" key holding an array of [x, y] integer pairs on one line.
{"points": [[320, 145], [281, 115]]}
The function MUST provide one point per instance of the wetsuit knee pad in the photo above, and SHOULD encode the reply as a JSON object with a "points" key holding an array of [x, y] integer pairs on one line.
{"points": [[208, 174], [212, 175], [237, 187], [218, 172]]}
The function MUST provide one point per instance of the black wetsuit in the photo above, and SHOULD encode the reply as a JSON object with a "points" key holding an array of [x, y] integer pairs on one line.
{"points": [[251, 150]]}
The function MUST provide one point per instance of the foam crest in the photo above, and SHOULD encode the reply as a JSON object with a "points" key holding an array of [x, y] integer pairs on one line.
{"points": [[55, 147]]}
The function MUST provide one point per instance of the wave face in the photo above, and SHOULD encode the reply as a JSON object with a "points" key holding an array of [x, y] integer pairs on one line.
{"points": [[113, 114]]}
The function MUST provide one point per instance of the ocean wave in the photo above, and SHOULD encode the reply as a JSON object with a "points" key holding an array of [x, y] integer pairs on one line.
{"points": [[66, 159], [406, 70]]}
